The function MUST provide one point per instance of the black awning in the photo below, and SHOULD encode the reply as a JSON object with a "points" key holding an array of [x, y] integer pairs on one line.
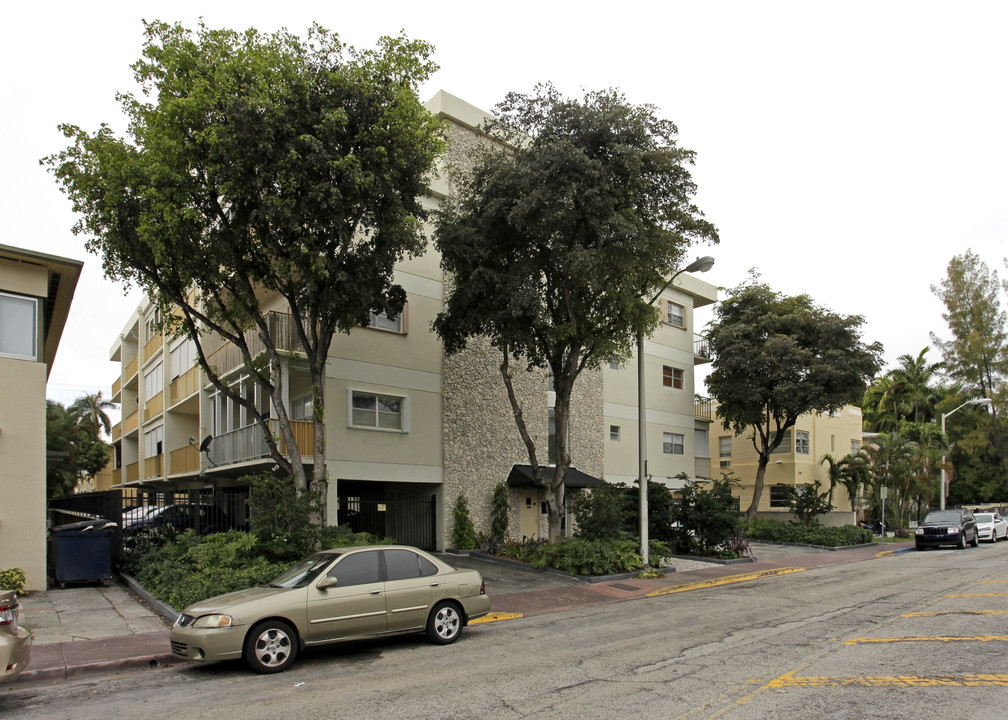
{"points": [[521, 476]]}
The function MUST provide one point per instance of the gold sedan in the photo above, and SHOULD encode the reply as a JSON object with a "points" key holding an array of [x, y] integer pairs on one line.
{"points": [[15, 641], [329, 597]]}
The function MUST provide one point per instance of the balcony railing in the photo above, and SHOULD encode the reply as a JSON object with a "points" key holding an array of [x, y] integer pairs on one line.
{"points": [[154, 467], [281, 328], [131, 368], [116, 389], [130, 422], [183, 386], [133, 472], [116, 431], [152, 346], [702, 465], [183, 460], [704, 408], [701, 349], [248, 443], [154, 406]]}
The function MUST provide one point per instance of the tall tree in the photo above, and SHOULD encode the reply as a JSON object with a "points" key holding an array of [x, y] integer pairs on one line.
{"points": [[913, 380], [584, 207], [89, 409], [261, 170], [74, 449], [977, 354], [777, 357]]}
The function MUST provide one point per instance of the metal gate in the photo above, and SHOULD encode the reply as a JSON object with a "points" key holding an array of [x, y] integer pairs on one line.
{"points": [[407, 519]]}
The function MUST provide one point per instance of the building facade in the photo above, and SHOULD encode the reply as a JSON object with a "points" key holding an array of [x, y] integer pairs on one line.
{"points": [[798, 461], [407, 426], [35, 295]]}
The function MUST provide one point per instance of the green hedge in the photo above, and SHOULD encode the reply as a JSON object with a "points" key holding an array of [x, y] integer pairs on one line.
{"points": [[579, 556], [779, 531]]}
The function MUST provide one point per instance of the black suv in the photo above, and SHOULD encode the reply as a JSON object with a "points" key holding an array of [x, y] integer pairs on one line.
{"points": [[947, 527]]}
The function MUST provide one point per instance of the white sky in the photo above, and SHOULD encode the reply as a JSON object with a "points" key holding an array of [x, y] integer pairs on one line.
{"points": [[847, 150]]}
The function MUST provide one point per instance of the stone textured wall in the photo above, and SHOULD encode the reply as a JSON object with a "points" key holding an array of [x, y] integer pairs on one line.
{"points": [[481, 441]]}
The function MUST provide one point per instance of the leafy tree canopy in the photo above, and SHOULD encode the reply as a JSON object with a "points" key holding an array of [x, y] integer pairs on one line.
{"points": [[261, 168], [74, 448], [557, 230], [777, 357]]}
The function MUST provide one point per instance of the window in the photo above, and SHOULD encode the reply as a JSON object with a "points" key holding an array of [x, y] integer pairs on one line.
{"points": [[779, 496], [614, 433], [358, 569], [406, 565], [154, 381], [18, 330], [855, 447], [382, 321], [371, 410], [182, 357], [675, 315], [674, 444], [613, 362], [785, 446], [801, 443], [154, 441], [672, 377], [151, 324], [301, 408], [832, 443], [724, 450]]}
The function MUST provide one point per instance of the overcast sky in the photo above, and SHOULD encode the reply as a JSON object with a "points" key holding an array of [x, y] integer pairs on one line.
{"points": [[845, 150]]}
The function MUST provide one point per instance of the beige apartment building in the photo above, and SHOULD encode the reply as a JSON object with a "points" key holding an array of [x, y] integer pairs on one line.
{"points": [[408, 428], [796, 462], [35, 295]]}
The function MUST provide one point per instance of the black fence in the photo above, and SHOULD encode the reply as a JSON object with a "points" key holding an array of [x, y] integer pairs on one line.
{"points": [[407, 521]]}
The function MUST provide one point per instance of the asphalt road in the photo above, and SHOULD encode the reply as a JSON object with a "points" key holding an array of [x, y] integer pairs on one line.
{"points": [[914, 635]]}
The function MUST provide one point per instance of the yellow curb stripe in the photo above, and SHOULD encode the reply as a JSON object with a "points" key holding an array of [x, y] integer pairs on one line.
{"points": [[789, 681], [971, 638], [975, 595], [992, 582], [884, 553], [728, 579], [954, 612], [495, 617]]}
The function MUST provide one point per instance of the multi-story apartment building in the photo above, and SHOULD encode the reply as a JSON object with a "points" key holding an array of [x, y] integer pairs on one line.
{"points": [[798, 460], [407, 427], [35, 294]]}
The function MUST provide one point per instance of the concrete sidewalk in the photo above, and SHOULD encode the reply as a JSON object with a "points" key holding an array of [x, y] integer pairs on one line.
{"points": [[105, 629]]}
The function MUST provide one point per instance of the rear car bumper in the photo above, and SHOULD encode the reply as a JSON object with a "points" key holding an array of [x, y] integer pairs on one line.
{"points": [[15, 652]]}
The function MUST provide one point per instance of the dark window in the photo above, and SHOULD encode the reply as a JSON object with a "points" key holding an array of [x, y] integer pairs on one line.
{"points": [[779, 496], [357, 569], [401, 564]]}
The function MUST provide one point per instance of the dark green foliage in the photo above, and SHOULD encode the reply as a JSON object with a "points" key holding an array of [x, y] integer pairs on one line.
{"points": [[74, 448], [602, 512], [463, 535], [500, 513], [706, 516], [806, 502], [281, 517], [580, 556], [779, 531]]}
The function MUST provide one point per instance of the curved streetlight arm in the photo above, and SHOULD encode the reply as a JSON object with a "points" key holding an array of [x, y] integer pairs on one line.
{"points": [[702, 264], [976, 401]]}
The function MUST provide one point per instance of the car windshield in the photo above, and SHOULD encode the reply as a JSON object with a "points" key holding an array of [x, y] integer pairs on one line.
{"points": [[944, 516], [303, 572], [984, 517]]}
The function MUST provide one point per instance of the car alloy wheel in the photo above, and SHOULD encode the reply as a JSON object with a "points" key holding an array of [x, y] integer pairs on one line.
{"points": [[270, 647], [444, 624]]}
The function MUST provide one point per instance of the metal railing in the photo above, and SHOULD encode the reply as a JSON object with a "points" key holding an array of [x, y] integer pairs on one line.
{"points": [[248, 443], [281, 329], [704, 408], [701, 347]]}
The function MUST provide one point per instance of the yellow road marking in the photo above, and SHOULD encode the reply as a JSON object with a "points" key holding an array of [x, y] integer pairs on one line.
{"points": [[495, 617], [938, 638], [954, 612], [884, 553], [788, 680], [724, 581], [992, 582], [979, 595]]}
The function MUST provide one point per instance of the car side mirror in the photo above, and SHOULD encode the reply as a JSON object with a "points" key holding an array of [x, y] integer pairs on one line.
{"points": [[326, 583]]}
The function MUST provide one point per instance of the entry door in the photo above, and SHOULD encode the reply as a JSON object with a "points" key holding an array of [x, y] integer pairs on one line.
{"points": [[355, 606], [529, 513]]}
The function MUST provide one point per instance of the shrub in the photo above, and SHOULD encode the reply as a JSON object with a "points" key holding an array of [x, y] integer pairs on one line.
{"points": [[706, 516], [500, 513], [581, 556], [13, 579], [463, 533], [281, 518], [600, 513], [779, 531]]}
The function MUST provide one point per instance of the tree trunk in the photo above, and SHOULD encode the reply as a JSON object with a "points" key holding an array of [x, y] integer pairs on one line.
{"points": [[750, 512]]}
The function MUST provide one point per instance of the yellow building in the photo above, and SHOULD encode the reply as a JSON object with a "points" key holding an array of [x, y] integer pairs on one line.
{"points": [[35, 295], [796, 462]]}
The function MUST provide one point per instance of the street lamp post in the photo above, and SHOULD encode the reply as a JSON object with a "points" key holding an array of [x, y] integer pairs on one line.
{"points": [[978, 401], [702, 264]]}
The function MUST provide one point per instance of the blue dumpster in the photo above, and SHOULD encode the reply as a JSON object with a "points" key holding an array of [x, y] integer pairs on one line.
{"points": [[82, 552]]}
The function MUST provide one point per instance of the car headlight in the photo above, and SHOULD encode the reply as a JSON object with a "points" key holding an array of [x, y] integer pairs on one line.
{"points": [[952, 530], [213, 621], [919, 531]]}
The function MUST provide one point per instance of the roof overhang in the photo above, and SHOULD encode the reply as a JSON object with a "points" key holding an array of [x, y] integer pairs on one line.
{"points": [[521, 477]]}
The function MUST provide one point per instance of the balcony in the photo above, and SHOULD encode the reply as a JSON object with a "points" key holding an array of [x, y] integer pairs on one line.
{"points": [[183, 460], [131, 369], [117, 390], [701, 349], [183, 386], [154, 406], [153, 467], [133, 472], [130, 423], [703, 409], [116, 432], [152, 347], [281, 329], [248, 443]]}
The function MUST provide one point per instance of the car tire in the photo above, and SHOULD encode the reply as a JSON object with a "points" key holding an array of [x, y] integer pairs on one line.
{"points": [[444, 624], [962, 542], [270, 647], [976, 539], [919, 547]]}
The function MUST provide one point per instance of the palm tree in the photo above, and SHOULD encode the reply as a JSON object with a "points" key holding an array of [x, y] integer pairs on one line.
{"points": [[89, 409], [912, 380]]}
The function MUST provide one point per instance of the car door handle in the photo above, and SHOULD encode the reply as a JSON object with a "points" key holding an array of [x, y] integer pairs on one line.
{"points": [[375, 592], [435, 584]]}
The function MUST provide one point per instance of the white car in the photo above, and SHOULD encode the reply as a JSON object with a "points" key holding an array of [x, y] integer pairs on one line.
{"points": [[991, 526]]}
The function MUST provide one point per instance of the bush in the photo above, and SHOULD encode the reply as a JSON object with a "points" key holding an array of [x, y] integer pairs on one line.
{"points": [[779, 531], [281, 519], [463, 533], [580, 556], [600, 513], [707, 518], [500, 514], [13, 579]]}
